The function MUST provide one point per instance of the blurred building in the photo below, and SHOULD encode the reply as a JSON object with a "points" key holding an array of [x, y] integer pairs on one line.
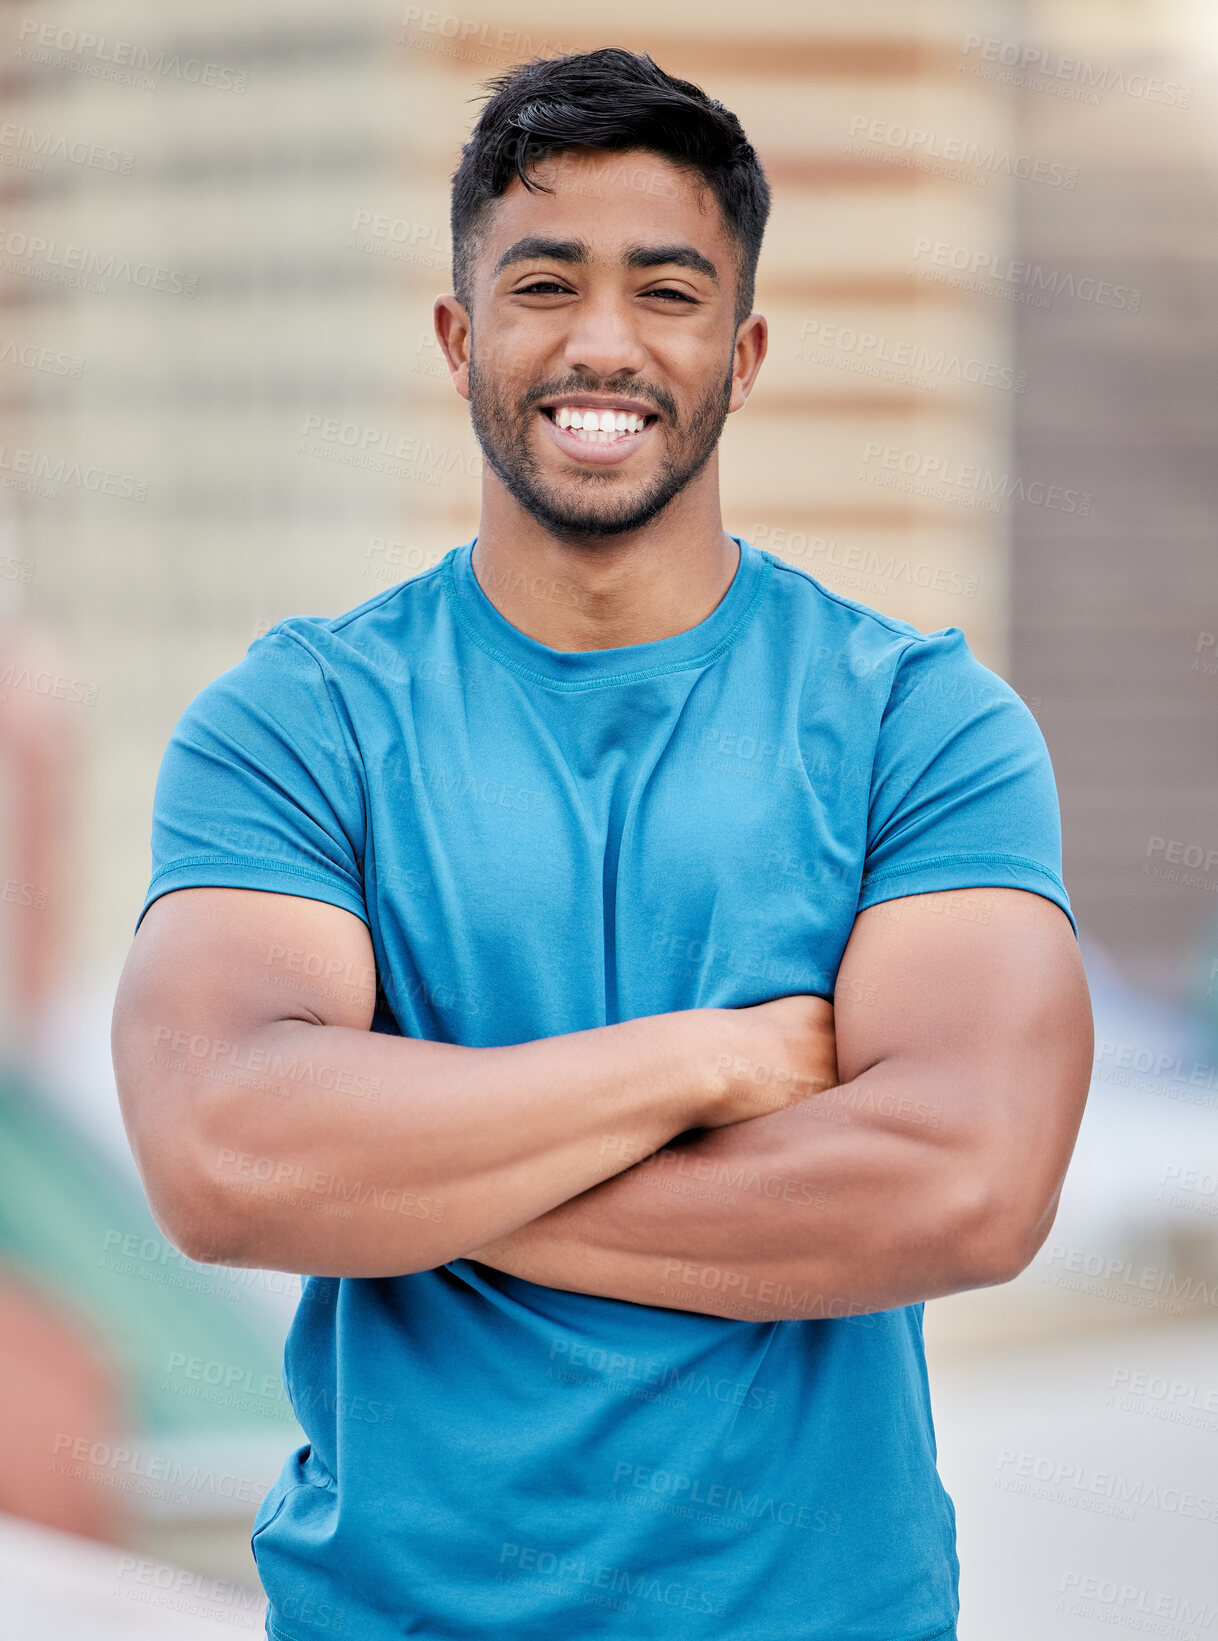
{"points": [[185, 299], [221, 403], [1115, 612], [224, 240]]}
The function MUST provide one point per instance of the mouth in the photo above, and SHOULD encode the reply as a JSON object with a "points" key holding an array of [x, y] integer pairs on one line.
{"points": [[600, 432]]}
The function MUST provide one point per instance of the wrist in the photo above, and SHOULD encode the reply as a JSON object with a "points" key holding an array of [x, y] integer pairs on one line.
{"points": [[706, 1063]]}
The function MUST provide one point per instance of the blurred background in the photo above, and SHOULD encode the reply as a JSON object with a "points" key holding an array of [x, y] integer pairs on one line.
{"points": [[989, 402]]}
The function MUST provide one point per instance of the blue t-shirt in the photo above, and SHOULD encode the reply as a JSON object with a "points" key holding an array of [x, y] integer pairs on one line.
{"points": [[540, 842]]}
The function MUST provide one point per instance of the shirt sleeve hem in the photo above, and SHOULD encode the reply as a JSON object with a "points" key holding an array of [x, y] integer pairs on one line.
{"points": [[235, 872], [966, 871]]}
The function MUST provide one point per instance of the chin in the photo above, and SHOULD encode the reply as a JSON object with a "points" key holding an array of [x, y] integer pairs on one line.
{"points": [[589, 521]]}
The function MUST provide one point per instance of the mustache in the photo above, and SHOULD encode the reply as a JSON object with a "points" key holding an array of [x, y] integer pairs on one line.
{"points": [[663, 402]]}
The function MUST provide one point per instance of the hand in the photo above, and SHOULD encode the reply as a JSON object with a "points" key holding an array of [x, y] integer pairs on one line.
{"points": [[769, 1056]]}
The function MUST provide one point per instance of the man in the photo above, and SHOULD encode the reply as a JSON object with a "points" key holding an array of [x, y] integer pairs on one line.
{"points": [[613, 829]]}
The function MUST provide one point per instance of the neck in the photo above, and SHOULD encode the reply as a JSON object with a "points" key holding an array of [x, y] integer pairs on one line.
{"points": [[603, 594]]}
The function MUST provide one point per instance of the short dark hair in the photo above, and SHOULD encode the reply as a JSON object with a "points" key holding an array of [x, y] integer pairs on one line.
{"points": [[615, 100]]}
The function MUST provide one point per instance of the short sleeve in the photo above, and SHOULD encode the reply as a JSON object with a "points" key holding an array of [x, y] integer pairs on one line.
{"points": [[259, 787], [962, 791]]}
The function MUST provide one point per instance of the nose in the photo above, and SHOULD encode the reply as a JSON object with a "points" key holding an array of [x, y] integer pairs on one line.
{"points": [[602, 340]]}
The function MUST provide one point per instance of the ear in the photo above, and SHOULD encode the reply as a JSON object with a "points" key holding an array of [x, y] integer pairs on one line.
{"points": [[752, 339], [453, 331]]}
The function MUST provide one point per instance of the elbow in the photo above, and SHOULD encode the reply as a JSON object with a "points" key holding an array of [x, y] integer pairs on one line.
{"points": [[177, 1161], [996, 1238], [204, 1233], [201, 1226], [201, 1218], [999, 1257]]}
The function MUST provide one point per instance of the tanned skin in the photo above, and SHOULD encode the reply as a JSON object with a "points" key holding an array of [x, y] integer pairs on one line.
{"points": [[908, 1140]]}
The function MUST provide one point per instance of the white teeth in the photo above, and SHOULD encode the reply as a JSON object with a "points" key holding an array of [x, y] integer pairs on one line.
{"points": [[598, 426]]}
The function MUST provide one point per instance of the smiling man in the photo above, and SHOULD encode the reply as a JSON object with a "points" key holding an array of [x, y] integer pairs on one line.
{"points": [[625, 977]]}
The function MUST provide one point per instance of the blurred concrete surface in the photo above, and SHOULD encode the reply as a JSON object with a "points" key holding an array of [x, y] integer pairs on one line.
{"points": [[60, 1587], [1085, 1480]]}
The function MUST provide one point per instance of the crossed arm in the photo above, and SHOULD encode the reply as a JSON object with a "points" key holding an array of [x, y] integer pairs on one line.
{"points": [[274, 1129], [964, 1048]]}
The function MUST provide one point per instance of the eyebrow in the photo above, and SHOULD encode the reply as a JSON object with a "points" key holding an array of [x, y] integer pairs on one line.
{"points": [[534, 247]]}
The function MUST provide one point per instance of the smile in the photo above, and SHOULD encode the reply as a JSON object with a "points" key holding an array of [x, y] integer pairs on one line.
{"points": [[592, 434]]}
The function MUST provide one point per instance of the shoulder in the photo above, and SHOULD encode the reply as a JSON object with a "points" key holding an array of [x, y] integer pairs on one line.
{"points": [[377, 632], [884, 655], [802, 591], [305, 666], [295, 681]]}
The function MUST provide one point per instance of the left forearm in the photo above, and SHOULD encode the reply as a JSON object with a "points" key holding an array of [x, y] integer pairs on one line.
{"points": [[851, 1202], [964, 1044]]}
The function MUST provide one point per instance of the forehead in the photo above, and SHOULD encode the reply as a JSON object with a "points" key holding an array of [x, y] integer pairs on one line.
{"points": [[610, 200]]}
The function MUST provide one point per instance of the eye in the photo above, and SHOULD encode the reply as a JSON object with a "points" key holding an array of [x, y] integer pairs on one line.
{"points": [[668, 290], [541, 287]]}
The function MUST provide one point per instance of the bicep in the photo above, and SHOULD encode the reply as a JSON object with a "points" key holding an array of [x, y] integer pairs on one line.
{"points": [[981, 994], [211, 971]]}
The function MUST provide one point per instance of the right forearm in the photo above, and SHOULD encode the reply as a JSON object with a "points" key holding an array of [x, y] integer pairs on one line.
{"points": [[446, 1148]]}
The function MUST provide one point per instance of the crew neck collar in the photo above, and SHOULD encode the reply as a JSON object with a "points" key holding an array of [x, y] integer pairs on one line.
{"points": [[588, 669]]}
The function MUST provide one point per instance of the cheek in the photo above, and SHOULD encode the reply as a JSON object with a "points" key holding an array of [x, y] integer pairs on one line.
{"points": [[520, 356], [497, 389]]}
